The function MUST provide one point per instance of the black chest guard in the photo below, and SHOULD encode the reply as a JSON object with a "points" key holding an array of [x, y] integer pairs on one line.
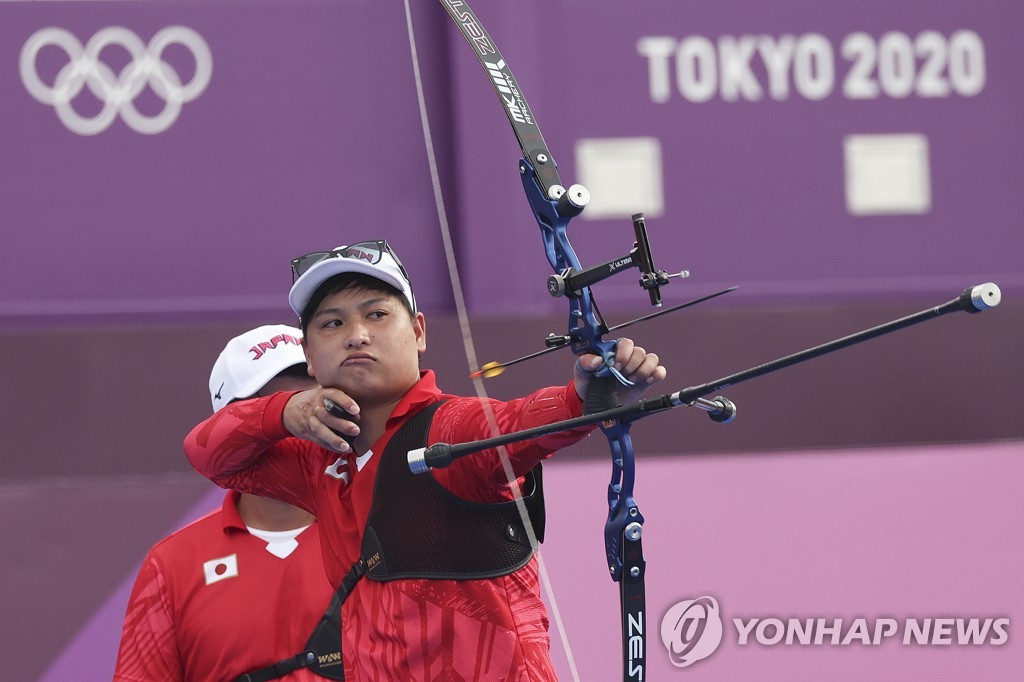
{"points": [[418, 529]]}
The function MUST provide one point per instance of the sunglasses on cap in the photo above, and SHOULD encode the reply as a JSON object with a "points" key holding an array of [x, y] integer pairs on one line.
{"points": [[368, 252]]}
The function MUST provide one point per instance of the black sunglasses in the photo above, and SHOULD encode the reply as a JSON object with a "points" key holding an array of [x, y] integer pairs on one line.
{"points": [[369, 252]]}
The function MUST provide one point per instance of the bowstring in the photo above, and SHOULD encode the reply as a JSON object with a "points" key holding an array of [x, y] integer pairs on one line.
{"points": [[470, 347]]}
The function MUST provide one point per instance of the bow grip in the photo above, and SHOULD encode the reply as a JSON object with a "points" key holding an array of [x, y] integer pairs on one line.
{"points": [[602, 394]]}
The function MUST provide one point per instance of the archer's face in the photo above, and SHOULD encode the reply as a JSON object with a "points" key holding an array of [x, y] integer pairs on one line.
{"points": [[365, 343]]}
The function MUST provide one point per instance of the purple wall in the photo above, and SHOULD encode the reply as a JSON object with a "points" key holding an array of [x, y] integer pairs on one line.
{"points": [[130, 258], [753, 189], [899, 533], [308, 135]]}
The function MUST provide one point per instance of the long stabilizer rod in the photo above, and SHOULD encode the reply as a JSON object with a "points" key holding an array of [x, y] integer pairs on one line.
{"points": [[973, 300]]}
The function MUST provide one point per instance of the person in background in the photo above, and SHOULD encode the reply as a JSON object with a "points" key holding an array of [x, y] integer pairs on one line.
{"points": [[241, 593], [437, 571]]}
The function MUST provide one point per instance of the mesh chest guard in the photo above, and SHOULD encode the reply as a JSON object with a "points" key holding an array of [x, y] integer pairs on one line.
{"points": [[418, 529]]}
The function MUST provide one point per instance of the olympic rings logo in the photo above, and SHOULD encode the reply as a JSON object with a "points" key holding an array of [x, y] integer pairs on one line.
{"points": [[116, 92]]}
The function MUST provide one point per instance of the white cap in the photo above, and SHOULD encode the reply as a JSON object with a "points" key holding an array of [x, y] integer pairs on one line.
{"points": [[367, 258], [251, 360]]}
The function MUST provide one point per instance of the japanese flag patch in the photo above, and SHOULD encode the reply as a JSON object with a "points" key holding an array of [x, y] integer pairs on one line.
{"points": [[216, 570]]}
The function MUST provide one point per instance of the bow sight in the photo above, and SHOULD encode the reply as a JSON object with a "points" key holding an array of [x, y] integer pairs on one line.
{"points": [[640, 256], [572, 282]]}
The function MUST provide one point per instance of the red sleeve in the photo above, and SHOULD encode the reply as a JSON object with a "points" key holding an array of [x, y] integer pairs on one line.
{"points": [[245, 447], [149, 648], [481, 477]]}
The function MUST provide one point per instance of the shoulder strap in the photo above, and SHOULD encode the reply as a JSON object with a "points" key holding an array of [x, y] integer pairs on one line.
{"points": [[322, 654], [279, 669]]}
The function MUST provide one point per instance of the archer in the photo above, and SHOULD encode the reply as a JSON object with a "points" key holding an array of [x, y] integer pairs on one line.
{"points": [[452, 589]]}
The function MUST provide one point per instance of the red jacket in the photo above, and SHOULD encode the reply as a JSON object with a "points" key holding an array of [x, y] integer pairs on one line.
{"points": [[211, 603], [492, 629]]}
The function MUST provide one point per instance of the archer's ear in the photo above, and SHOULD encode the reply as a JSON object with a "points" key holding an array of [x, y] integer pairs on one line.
{"points": [[309, 363], [420, 327]]}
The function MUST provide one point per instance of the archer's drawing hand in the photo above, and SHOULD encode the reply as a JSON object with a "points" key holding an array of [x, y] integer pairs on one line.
{"points": [[306, 416]]}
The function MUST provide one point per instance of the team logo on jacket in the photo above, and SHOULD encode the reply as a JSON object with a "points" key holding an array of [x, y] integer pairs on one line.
{"points": [[223, 568], [335, 470]]}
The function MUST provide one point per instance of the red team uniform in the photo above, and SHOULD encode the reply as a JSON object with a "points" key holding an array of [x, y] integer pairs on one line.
{"points": [[406, 629], [183, 618]]}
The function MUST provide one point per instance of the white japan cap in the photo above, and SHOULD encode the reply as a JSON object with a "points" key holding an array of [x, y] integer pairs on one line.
{"points": [[251, 360]]}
